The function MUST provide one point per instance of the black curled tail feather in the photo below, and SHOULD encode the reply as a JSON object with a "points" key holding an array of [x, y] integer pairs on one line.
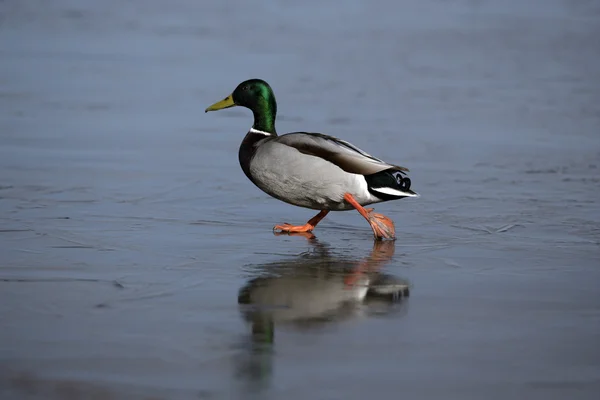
{"points": [[389, 184], [403, 182]]}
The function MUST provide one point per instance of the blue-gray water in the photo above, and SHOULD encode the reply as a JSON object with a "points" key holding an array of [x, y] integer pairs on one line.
{"points": [[127, 227]]}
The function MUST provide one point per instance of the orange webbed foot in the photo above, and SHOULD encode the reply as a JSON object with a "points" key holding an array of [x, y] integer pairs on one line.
{"points": [[383, 227], [301, 229], [289, 228]]}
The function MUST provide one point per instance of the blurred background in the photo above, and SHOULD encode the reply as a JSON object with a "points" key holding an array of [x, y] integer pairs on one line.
{"points": [[127, 227]]}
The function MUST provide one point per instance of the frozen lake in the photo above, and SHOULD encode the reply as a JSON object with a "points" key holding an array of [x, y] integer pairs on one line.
{"points": [[128, 229]]}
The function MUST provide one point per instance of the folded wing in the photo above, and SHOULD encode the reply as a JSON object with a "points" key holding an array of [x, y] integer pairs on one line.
{"points": [[339, 152]]}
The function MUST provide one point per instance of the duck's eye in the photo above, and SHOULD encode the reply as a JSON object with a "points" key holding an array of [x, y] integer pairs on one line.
{"points": [[245, 88]]}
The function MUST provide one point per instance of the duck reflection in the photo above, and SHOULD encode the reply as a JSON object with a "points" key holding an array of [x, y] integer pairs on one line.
{"points": [[318, 288]]}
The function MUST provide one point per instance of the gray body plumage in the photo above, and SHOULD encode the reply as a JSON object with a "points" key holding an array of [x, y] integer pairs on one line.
{"points": [[305, 180], [312, 170]]}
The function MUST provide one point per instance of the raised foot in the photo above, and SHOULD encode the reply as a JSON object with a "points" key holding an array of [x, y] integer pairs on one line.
{"points": [[383, 227]]}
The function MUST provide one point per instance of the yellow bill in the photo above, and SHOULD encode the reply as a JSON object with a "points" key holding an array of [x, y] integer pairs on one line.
{"points": [[219, 105]]}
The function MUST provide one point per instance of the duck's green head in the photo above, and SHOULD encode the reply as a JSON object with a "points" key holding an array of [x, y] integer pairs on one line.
{"points": [[256, 95]]}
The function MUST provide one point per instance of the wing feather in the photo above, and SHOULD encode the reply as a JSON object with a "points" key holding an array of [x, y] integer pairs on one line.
{"points": [[339, 152]]}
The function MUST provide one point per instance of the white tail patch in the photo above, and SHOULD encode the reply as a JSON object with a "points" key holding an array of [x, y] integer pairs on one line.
{"points": [[394, 192]]}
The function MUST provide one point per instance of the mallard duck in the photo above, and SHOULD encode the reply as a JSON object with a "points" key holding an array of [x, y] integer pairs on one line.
{"points": [[312, 170]]}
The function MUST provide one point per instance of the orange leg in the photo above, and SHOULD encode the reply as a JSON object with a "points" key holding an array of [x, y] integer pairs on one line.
{"points": [[383, 227], [308, 227]]}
